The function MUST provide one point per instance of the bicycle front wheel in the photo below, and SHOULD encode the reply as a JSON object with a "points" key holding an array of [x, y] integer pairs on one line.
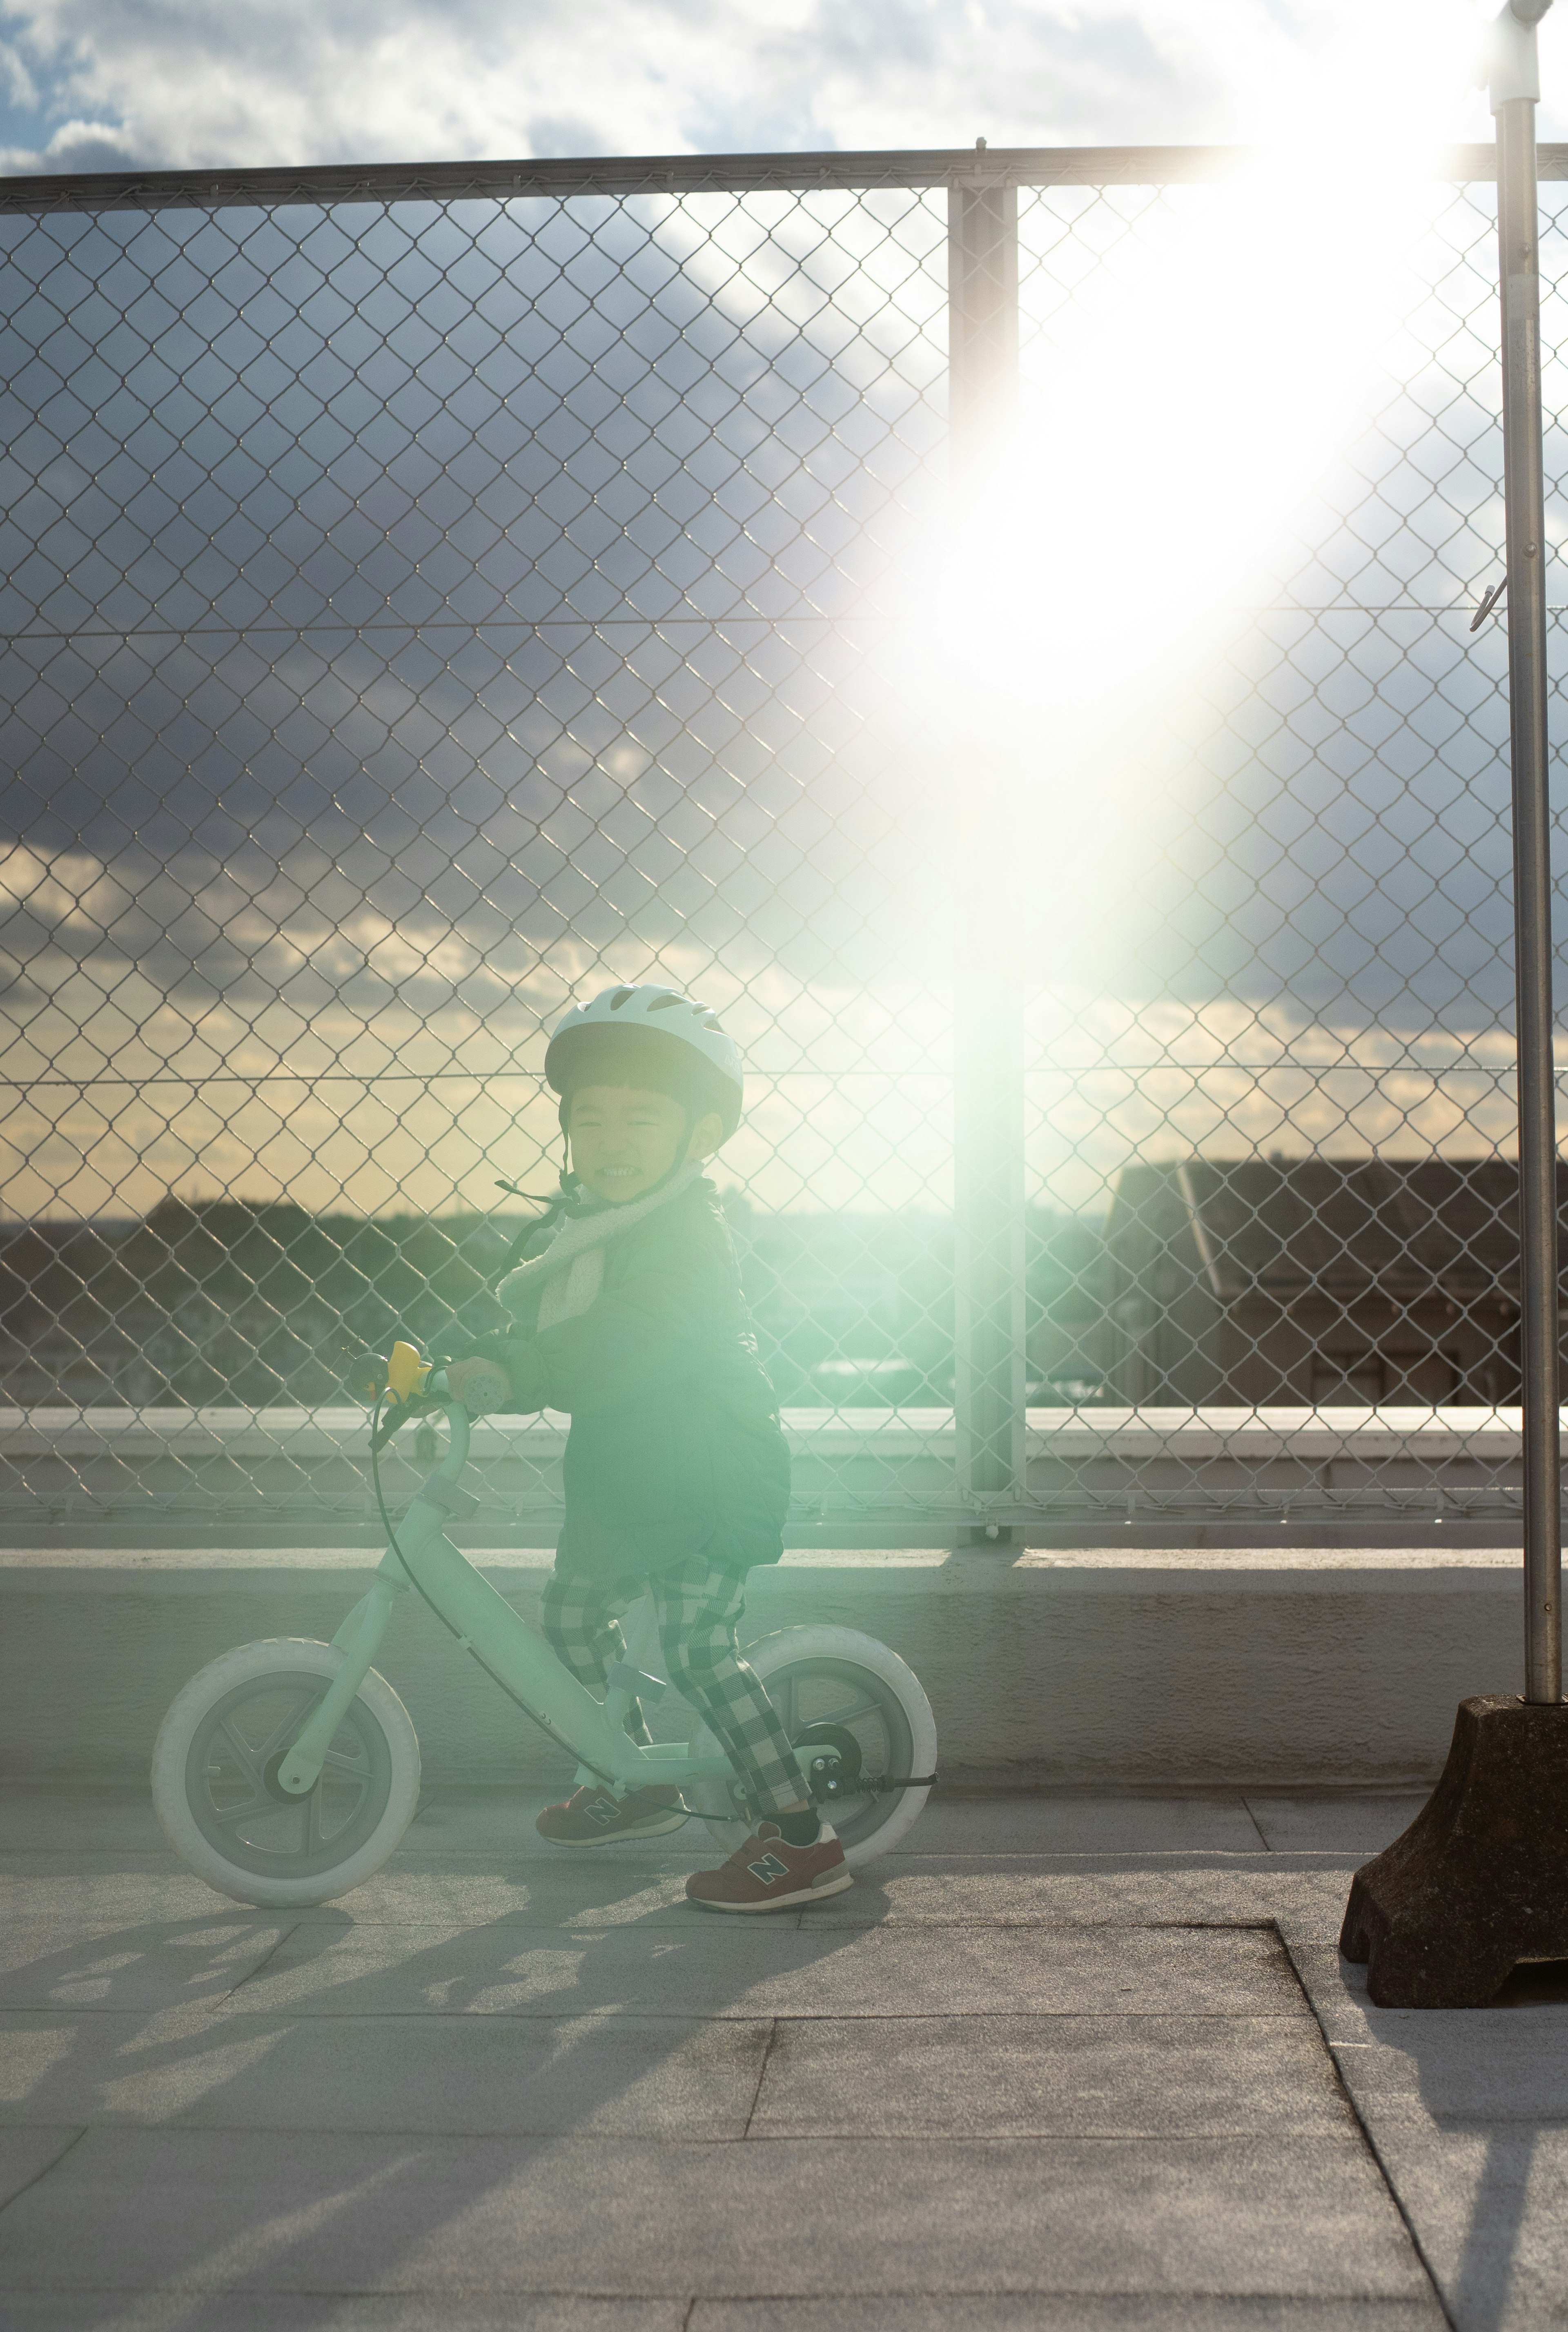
{"points": [[215, 1776]]}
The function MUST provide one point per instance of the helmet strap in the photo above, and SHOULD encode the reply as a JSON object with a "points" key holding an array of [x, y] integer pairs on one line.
{"points": [[566, 1181]]}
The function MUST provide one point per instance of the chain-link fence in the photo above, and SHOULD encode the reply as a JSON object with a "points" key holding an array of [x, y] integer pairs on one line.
{"points": [[430, 596]]}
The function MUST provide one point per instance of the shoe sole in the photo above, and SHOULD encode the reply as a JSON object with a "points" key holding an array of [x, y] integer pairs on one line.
{"points": [[834, 1886], [615, 1837]]}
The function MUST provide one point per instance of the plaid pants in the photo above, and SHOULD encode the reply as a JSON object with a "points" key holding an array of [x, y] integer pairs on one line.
{"points": [[697, 1607]]}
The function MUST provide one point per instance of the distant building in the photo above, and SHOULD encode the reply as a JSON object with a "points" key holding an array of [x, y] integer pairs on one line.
{"points": [[1256, 1283], [1312, 1281]]}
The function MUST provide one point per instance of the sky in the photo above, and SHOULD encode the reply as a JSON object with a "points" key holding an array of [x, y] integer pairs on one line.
{"points": [[103, 84]]}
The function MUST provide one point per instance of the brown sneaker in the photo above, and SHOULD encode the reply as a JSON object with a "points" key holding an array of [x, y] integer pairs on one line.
{"points": [[595, 1816], [768, 1874]]}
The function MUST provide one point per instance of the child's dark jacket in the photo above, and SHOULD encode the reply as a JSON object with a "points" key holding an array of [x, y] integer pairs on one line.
{"points": [[675, 1447]]}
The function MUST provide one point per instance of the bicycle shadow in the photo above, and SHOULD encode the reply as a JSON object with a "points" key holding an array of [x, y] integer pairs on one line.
{"points": [[343, 2104]]}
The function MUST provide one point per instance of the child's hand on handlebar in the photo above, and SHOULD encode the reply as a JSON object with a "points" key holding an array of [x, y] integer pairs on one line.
{"points": [[479, 1384]]}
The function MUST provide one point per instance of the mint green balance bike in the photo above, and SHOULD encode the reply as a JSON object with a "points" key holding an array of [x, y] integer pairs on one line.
{"points": [[286, 1771]]}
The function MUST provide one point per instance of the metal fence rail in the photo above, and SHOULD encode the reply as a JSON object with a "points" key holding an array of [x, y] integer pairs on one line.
{"points": [[430, 594]]}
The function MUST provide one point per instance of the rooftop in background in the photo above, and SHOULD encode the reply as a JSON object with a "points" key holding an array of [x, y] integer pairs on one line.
{"points": [[1258, 1280]]}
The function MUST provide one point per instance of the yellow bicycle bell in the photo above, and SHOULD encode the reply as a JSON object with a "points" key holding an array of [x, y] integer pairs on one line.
{"points": [[406, 1372]]}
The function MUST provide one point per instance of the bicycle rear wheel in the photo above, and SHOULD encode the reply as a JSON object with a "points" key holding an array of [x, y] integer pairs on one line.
{"points": [[834, 1681]]}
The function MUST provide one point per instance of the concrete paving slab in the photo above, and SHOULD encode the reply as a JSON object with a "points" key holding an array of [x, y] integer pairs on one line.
{"points": [[1068, 1822], [1131, 1890], [188, 2209], [1025, 1821], [642, 1898], [26, 2154], [99, 1889], [1488, 2207], [1336, 1988], [1134, 2075], [1466, 2111], [618, 2074], [40, 1818], [96, 1886], [500, 1823], [568, 1893], [1334, 1821], [1074, 2312], [1226, 1890], [1120, 1892], [724, 1967], [244, 2311], [1126, 2076], [1493, 2069], [1437, 2066], [521, 2312], [57, 1964], [1039, 1960]]}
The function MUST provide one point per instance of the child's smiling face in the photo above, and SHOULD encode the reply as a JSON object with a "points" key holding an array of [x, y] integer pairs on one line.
{"points": [[624, 1140]]}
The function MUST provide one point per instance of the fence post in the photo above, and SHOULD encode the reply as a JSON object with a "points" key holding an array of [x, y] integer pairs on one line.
{"points": [[987, 1032], [1514, 89]]}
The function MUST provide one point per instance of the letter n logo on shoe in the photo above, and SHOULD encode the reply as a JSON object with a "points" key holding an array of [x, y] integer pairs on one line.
{"points": [[769, 1869], [604, 1813]]}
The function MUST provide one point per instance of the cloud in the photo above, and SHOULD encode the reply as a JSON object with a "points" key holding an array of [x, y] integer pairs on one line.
{"points": [[74, 146], [193, 83], [193, 970]]}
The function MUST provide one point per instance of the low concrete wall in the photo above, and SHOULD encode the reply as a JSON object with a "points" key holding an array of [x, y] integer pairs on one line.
{"points": [[1094, 1666]]}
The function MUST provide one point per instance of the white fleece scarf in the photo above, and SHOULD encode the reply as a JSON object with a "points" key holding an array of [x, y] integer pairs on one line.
{"points": [[570, 1274]]}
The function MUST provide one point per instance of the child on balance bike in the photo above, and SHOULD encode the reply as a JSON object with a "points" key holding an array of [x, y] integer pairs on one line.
{"points": [[677, 1475]]}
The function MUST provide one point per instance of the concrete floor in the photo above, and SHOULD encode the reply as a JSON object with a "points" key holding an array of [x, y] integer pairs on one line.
{"points": [[1071, 2061]]}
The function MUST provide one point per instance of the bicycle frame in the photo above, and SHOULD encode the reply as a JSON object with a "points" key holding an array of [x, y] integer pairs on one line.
{"points": [[487, 1625]]}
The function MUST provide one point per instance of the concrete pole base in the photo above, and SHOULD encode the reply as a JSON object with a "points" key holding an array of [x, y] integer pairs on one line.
{"points": [[1480, 1878]]}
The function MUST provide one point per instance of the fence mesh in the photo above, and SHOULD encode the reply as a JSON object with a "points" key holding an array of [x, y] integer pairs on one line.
{"points": [[423, 609], [1290, 1102]]}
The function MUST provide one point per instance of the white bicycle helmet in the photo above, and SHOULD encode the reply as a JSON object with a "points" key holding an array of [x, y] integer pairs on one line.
{"points": [[672, 1039]]}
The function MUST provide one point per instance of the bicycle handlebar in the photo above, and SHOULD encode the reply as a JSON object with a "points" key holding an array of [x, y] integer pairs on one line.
{"points": [[400, 1389]]}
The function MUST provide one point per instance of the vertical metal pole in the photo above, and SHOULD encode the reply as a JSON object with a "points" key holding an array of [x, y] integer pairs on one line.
{"points": [[1513, 95], [988, 1098]]}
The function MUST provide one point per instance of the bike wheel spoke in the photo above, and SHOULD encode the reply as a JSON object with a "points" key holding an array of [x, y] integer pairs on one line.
{"points": [[282, 1733], [230, 1815], [249, 1762], [852, 1716]]}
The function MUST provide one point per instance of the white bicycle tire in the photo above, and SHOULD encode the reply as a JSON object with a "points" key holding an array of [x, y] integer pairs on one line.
{"points": [[396, 1793], [790, 1647]]}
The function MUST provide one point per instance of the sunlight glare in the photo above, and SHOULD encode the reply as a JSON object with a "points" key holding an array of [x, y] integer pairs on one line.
{"points": [[1177, 407]]}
